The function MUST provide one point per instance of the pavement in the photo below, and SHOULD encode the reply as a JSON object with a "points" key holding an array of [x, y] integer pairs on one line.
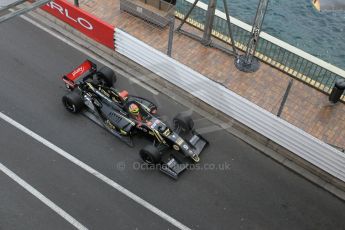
{"points": [[235, 186], [306, 107]]}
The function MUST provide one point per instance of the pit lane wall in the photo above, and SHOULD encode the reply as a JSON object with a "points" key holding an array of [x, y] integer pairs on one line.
{"points": [[261, 121], [84, 22]]}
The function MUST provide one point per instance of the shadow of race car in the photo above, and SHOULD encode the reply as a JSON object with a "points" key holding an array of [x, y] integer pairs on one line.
{"points": [[92, 93]]}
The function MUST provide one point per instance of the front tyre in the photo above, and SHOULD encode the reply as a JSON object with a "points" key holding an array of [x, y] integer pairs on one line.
{"points": [[150, 154], [73, 102]]}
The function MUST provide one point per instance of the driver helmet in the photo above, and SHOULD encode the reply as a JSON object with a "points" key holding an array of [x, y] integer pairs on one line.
{"points": [[134, 109]]}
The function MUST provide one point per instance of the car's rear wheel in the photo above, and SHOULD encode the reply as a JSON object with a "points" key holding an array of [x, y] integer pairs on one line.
{"points": [[183, 122], [150, 154], [107, 75], [73, 102]]}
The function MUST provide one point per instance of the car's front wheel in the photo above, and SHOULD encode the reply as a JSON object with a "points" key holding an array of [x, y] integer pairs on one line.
{"points": [[150, 154], [73, 102]]}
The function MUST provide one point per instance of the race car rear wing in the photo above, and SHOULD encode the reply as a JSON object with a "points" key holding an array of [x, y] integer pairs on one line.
{"points": [[84, 69]]}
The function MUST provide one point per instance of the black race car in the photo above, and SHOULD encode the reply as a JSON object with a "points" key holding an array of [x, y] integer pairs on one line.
{"points": [[92, 93]]}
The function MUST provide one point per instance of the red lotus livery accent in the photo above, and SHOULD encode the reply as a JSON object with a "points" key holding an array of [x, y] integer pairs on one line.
{"points": [[123, 94], [80, 70], [86, 67]]}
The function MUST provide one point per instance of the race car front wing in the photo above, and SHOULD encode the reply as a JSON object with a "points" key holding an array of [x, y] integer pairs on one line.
{"points": [[175, 163]]}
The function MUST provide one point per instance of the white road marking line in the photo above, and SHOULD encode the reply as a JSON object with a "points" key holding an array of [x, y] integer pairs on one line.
{"points": [[41, 197], [94, 172], [88, 53]]}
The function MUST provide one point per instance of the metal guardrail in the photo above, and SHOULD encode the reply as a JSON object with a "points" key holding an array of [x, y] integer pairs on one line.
{"points": [[279, 54], [279, 131]]}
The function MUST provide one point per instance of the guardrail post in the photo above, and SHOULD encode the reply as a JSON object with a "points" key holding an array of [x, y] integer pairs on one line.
{"points": [[206, 38], [171, 35], [247, 62]]}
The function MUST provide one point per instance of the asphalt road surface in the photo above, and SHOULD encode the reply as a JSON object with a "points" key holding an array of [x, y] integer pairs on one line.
{"points": [[234, 187]]}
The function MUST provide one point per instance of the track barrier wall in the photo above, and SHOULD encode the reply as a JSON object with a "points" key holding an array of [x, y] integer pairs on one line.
{"points": [[84, 22]]}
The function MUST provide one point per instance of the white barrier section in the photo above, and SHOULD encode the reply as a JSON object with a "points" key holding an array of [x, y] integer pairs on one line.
{"points": [[279, 131]]}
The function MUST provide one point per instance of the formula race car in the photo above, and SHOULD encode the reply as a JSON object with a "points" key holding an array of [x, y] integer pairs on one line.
{"points": [[92, 93]]}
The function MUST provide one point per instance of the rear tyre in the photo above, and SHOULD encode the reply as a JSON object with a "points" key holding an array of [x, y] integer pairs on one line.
{"points": [[73, 102], [150, 154], [107, 75], [183, 121]]}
